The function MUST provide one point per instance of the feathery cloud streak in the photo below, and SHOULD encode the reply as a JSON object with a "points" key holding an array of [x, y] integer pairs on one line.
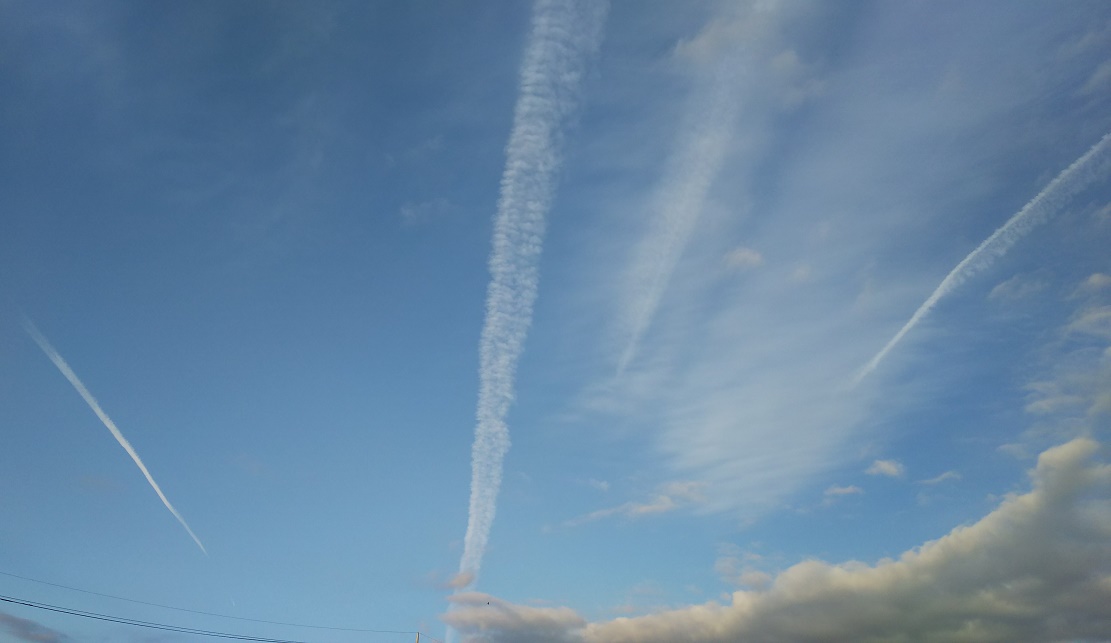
{"points": [[564, 35], [1071, 180], [680, 198], [47, 348]]}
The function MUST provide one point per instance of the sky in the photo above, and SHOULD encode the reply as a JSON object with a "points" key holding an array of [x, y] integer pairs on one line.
{"points": [[555, 321]]}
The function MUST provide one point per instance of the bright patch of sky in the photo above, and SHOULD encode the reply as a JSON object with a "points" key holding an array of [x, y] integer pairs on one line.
{"points": [[260, 237]]}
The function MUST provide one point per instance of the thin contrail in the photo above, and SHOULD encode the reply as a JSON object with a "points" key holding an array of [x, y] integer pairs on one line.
{"points": [[680, 200], [564, 35], [1073, 179], [47, 348]]}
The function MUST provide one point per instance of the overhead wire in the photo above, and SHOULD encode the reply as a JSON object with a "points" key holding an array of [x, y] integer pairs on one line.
{"points": [[203, 613], [138, 623]]}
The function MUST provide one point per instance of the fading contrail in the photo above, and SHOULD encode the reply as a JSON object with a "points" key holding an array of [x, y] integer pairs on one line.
{"points": [[564, 35], [1071, 180], [33, 331], [680, 200]]}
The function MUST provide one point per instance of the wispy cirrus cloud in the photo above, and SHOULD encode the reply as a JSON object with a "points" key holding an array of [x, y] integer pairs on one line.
{"points": [[719, 53], [669, 497], [942, 477], [847, 490]]}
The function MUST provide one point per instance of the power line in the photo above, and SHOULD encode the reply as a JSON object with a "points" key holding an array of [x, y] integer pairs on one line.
{"points": [[228, 616], [147, 624]]}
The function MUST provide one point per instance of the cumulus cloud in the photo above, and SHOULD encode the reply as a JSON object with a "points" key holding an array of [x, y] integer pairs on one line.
{"points": [[741, 568], [669, 497], [1037, 568], [481, 617], [890, 468], [22, 629]]}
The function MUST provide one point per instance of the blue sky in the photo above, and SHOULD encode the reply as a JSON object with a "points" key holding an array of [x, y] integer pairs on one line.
{"points": [[261, 235]]}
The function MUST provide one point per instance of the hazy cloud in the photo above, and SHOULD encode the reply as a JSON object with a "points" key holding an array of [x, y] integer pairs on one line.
{"points": [[1097, 281], [669, 497], [843, 491], [27, 630], [744, 258], [600, 485], [1015, 288]]}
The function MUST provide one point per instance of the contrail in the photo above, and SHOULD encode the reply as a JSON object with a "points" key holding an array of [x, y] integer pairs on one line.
{"points": [[1064, 186], [680, 200], [33, 331], [564, 35]]}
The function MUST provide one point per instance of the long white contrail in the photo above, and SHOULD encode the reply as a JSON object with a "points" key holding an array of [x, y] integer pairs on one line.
{"points": [[564, 35], [1050, 200], [47, 348]]}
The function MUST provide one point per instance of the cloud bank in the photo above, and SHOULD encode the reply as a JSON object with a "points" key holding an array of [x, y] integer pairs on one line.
{"points": [[47, 348], [564, 35], [1037, 568]]}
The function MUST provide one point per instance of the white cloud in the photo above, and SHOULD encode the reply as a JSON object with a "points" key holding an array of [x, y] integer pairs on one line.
{"points": [[890, 468], [669, 497], [481, 617], [740, 568], [741, 383], [460, 580], [1095, 322], [417, 212], [1037, 568], [944, 477], [1099, 80], [1016, 288], [1097, 281], [802, 273], [843, 491]]}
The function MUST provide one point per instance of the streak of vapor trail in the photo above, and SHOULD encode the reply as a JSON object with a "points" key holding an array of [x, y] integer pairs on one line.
{"points": [[1051, 199], [564, 34], [680, 200], [47, 348]]}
